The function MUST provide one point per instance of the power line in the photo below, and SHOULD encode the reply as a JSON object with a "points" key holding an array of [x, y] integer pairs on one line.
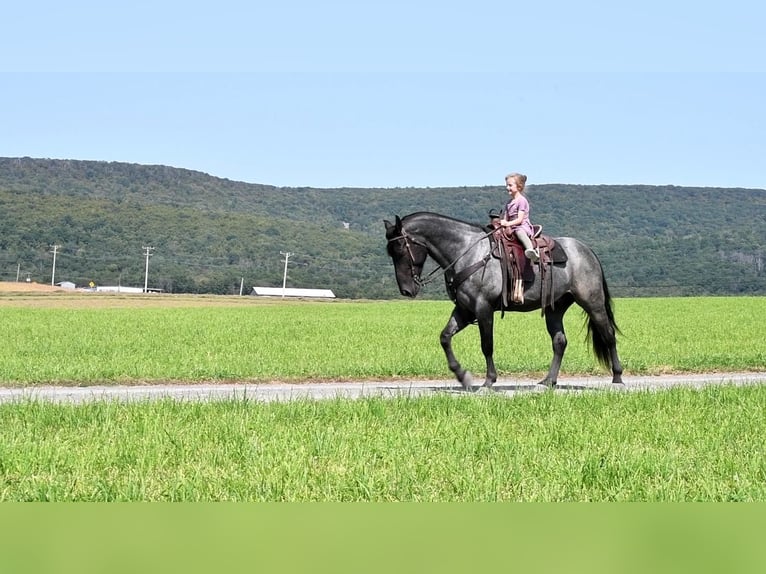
{"points": [[53, 272], [146, 274], [287, 255]]}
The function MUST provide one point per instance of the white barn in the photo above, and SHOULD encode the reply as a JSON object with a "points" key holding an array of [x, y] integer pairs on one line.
{"points": [[292, 292], [118, 289]]}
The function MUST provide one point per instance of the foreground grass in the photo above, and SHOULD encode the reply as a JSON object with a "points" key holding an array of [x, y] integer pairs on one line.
{"points": [[677, 445], [91, 339]]}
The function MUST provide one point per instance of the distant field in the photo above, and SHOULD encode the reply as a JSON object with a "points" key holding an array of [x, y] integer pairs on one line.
{"points": [[82, 338], [27, 288]]}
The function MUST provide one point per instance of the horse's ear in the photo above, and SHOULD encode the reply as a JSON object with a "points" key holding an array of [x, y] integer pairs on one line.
{"points": [[393, 226]]}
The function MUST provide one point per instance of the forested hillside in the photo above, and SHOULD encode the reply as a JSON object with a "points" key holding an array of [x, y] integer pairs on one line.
{"points": [[210, 233]]}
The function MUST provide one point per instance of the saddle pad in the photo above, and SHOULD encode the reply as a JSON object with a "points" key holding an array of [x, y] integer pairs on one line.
{"points": [[558, 255]]}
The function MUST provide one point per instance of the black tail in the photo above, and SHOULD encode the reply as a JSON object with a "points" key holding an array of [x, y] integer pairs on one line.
{"points": [[603, 337]]}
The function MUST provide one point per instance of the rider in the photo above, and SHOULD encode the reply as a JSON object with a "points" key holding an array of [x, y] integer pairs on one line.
{"points": [[516, 214]]}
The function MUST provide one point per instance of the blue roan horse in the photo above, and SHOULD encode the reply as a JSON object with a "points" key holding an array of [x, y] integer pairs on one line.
{"points": [[462, 251]]}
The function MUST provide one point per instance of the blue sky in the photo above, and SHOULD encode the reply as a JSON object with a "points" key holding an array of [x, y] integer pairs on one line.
{"points": [[393, 94]]}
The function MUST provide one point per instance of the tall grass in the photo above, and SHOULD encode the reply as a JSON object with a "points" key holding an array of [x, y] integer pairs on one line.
{"points": [[677, 445], [89, 340]]}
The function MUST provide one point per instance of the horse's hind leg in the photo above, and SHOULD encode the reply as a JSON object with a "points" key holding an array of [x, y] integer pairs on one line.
{"points": [[457, 322], [554, 322], [603, 332]]}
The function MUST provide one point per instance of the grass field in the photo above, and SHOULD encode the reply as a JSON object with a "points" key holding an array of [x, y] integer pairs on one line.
{"points": [[107, 339], [671, 446], [675, 445]]}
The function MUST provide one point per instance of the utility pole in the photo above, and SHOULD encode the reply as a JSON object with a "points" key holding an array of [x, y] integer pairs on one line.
{"points": [[287, 255], [146, 274], [53, 273], [18, 272]]}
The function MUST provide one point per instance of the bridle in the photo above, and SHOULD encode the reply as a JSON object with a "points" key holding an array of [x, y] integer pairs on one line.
{"points": [[420, 281]]}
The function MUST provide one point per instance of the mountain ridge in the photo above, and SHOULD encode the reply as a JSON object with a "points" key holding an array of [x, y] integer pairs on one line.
{"points": [[210, 233]]}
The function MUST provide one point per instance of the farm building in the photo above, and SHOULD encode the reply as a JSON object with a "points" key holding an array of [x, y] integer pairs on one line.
{"points": [[118, 289], [292, 292], [123, 289]]}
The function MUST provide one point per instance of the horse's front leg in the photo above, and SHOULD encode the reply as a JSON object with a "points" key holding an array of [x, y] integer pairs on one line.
{"points": [[457, 322], [487, 332]]}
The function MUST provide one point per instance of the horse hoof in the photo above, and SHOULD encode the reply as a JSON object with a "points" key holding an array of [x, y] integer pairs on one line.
{"points": [[547, 383], [467, 381]]}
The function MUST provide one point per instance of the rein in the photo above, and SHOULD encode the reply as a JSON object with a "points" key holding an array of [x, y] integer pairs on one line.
{"points": [[420, 281]]}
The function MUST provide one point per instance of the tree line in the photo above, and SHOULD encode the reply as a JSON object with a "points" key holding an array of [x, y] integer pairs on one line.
{"points": [[210, 233]]}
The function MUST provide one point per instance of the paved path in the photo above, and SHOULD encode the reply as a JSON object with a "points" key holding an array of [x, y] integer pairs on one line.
{"points": [[285, 392]]}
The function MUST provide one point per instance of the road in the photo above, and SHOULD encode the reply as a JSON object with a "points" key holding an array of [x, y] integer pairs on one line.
{"points": [[285, 392]]}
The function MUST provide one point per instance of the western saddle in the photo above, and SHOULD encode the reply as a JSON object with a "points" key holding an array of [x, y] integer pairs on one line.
{"points": [[517, 269]]}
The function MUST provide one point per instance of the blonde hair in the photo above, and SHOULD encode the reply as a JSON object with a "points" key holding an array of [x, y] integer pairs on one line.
{"points": [[520, 178]]}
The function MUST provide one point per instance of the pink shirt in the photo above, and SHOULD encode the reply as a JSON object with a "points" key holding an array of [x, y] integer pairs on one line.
{"points": [[512, 209]]}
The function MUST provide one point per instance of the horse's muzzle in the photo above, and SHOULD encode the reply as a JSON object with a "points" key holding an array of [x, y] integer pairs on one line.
{"points": [[411, 291]]}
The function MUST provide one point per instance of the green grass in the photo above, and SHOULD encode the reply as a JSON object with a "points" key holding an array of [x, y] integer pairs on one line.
{"points": [[86, 342], [676, 445]]}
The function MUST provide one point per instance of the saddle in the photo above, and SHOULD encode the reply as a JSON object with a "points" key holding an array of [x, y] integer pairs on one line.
{"points": [[517, 269]]}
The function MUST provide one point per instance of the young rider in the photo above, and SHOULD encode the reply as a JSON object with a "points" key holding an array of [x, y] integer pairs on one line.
{"points": [[516, 214]]}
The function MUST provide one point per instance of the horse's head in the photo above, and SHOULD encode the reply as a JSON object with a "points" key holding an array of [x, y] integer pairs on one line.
{"points": [[408, 256]]}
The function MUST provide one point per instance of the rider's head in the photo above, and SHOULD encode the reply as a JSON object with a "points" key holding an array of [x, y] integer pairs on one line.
{"points": [[519, 178]]}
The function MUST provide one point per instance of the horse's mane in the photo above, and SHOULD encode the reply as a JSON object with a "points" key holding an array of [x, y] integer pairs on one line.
{"points": [[431, 214]]}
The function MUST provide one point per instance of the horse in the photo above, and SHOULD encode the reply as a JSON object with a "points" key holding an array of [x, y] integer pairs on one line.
{"points": [[474, 283]]}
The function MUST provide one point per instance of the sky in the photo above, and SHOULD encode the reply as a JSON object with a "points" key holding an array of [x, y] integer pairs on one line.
{"points": [[393, 94]]}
